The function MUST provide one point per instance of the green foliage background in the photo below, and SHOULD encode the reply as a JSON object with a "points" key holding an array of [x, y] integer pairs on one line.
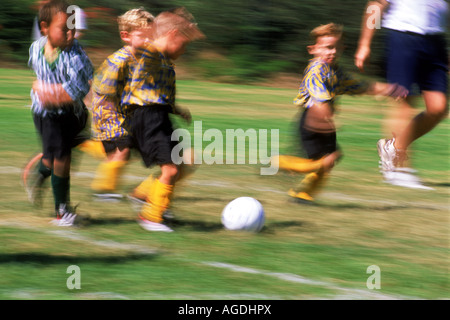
{"points": [[256, 37]]}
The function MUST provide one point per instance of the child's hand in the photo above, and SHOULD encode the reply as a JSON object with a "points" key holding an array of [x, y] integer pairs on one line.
{"points": [[51, 95], [38, 88]]}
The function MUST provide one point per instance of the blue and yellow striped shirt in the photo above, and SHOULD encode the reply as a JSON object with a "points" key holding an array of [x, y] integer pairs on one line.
{"points": [[111, 103], [323, 83], [154, 80]]}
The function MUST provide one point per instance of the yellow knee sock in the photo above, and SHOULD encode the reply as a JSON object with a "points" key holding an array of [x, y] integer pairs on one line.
{"points": [[144, 189], [93, 148], [107, 176], [300, 165], [159, 201]]}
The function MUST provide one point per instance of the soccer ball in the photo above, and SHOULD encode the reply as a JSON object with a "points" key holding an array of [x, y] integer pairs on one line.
{"points": [[244, 213]]}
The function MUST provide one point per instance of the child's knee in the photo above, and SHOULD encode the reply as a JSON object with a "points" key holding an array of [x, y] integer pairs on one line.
{"points": [[330, 160]]}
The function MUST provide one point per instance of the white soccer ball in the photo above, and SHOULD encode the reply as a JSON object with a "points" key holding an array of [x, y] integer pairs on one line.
{"points": [[244, 213]]}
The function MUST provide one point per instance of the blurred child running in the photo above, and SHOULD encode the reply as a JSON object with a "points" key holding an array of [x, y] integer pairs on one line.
{"points": [[32, 178], [323, 80], [113, 104], [63, 73], [153, 93]]}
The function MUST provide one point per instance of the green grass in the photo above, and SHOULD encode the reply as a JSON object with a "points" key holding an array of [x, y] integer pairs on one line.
{"points": [[358, 221]]}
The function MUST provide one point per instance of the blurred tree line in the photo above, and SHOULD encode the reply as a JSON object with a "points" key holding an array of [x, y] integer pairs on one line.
{"points": [[246, 40]]}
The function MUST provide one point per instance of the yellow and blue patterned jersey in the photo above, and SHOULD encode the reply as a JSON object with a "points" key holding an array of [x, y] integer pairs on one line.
{"points": [[323, 83], [154, 80], [111, 93]]}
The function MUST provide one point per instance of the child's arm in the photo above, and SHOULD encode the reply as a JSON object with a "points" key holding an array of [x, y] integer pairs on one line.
{"points": [[75, 88], [51, 95], [183, 112], [387, 90]]}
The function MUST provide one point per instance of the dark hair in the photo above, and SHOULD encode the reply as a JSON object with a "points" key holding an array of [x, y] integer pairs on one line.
{"points": [[50, 9]]}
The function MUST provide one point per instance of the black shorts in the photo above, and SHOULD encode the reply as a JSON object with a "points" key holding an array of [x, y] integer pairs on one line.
{"points": [[120, 143], [59, 133], [316, 144], [152, 130]]}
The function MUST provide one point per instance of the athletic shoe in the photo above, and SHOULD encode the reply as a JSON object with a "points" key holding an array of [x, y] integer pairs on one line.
{"points": [[301, 197], [107, 197], [33, 180], [65, 216], [404, 177], [153, 226], [387, 153]]}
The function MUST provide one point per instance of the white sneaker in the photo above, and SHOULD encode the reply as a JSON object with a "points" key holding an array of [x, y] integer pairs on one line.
{"points": [[65, 217], [387, 153], [153, 226], [403, 177]]}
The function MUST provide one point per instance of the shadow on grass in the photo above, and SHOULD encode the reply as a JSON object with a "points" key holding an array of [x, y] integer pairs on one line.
{"points": [[364, 205], [204, 226], [197, 225], [46, 259], [274, 226], [88, 221]]}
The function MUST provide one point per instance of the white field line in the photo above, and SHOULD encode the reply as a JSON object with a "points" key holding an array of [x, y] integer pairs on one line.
{"points": [[345, 293], [37, 294], [224, 184]]}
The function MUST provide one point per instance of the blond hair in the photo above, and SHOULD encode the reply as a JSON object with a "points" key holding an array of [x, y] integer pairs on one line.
{"points": [[178, 19], [330, 29], [134, 19]]}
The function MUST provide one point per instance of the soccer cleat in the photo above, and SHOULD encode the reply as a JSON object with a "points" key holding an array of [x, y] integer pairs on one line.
{"points": [[33, 180], [107, 197], [153, 226], [300, 197], [387, 153], [403, 177], [65, 216]]}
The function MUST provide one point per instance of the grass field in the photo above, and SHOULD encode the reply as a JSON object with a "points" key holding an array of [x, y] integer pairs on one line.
{"points": [[304, 252]]}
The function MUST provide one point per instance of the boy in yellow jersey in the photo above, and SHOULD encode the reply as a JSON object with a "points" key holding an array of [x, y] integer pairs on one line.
{"points": [[153, 92], [112, 104], [323, 80]]}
